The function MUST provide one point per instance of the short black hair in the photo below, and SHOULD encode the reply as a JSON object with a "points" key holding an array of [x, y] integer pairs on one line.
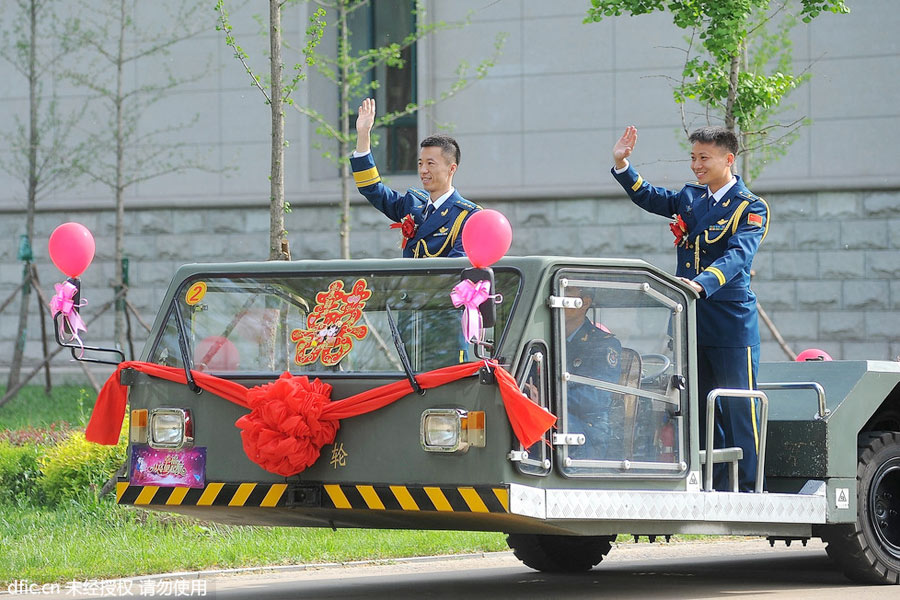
{"points": [[719, 136], [447, 144]]}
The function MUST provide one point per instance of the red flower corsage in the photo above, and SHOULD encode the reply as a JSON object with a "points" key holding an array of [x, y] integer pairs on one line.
{"points": [[407, 227], [679, 229]]}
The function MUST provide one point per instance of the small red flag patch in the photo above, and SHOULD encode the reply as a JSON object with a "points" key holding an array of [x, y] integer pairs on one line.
{"points": [[754, 219]]}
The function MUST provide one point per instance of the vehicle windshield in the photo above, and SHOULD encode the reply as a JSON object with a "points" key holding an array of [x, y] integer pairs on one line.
{"points": [[313, 323]]}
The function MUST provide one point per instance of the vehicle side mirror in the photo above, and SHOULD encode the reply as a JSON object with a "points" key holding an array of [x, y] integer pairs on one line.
{"points": [[488, 308]]}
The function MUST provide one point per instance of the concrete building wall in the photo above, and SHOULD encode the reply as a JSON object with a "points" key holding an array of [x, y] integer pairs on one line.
{"points": [[535, 137]]}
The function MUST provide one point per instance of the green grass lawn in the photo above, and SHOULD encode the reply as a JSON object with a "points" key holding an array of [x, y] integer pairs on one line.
{"points": [[32, 407], [104, 541]]}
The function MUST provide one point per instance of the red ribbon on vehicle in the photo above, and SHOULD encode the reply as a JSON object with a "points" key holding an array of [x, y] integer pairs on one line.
{"points": [[407, 227], [292, 418]]}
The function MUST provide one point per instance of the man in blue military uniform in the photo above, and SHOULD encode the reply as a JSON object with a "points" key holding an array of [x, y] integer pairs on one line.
{"points": [[718, 227], [592, 352], [431, 220]]}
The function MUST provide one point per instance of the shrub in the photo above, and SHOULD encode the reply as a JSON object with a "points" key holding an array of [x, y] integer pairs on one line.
{"points": [[40, 436], [76, 467], [19, 471]]}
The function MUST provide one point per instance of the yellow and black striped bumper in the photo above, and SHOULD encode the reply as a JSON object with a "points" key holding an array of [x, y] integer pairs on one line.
{"points": [[458, 499], [480, 499], [214, 494]]}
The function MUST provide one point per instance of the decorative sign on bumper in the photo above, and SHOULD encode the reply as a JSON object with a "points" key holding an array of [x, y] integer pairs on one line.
{"points": [[168, 468]]}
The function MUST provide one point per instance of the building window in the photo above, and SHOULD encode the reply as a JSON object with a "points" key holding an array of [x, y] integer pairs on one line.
{"points": [[377, 24]]}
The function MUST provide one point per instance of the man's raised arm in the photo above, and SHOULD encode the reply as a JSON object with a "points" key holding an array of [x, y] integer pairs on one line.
{"points": [[364, 122], [624, 147]]}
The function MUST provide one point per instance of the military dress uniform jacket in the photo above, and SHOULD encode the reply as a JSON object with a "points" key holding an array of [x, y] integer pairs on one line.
{"points": [[716, 252], [439, 235]]}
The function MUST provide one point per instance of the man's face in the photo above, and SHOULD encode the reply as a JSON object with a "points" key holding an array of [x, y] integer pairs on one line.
{"points": [[711, 164], [575, 316], [435, 170]]}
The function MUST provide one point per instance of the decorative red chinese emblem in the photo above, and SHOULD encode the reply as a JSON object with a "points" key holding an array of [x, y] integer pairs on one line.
{"points": [[331, 326], [407, 227], [679, 229]]}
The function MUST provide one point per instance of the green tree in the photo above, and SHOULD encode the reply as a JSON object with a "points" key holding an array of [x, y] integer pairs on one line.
{"points": [[727, 73], [128, 154], [43, 149], [352, 70], [277, 93]]}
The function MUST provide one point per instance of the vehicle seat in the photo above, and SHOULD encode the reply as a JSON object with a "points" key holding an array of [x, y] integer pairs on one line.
{"points": [[630, 376]]}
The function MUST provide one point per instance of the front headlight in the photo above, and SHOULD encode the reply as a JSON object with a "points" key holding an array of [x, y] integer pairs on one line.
{"points": [[171, 428], [451, 430]]}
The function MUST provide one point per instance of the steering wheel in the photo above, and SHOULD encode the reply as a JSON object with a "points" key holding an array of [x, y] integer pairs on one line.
{"points": [[658, 362]]}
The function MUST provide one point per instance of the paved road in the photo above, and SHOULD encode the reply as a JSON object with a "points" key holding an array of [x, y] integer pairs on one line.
{"points": [[733, 569]]}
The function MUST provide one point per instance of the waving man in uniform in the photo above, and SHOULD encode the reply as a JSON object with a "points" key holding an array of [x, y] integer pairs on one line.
{"points": [[718, 227], [431, 220]]}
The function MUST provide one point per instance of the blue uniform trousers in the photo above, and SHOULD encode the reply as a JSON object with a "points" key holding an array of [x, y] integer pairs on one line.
{"points": [[736, 421]]}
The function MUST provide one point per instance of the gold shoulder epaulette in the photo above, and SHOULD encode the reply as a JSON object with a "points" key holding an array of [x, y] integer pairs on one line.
{"points": [[420, 194]]}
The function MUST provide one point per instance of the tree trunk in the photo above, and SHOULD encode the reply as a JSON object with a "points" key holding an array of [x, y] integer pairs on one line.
{"points": [[746, 158], [278, 244], [732, 89], [343, 145], [119, 312], [33, 141]]}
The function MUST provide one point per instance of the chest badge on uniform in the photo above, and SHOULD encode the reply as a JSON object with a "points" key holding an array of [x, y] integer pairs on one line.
{"points": [[612, 357]]}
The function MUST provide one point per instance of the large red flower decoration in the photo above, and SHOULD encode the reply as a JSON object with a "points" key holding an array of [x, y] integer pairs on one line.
{"points": [[284, 432], [679, 229], [407, 227]]}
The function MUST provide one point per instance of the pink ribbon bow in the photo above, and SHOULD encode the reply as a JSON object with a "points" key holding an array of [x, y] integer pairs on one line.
{"points": [[471, 295], [63, 302]]}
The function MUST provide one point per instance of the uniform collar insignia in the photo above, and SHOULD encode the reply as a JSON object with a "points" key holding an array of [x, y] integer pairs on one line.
{"points": [[444, 214], [585, 338]]}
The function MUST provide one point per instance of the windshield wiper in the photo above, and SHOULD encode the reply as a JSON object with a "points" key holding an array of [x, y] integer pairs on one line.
{"points": [[401, 350]]}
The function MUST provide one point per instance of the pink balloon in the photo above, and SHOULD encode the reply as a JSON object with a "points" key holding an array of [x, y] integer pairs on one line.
{"points": [[486, 237], [812, 354], [71, 248], [216, 353]]}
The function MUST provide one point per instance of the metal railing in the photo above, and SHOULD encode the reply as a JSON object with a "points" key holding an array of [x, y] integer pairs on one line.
{"points": [[801, 385], [727, 394]]}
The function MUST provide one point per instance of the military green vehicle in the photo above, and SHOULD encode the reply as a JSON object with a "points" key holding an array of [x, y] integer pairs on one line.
{"points": [[447, 457]]}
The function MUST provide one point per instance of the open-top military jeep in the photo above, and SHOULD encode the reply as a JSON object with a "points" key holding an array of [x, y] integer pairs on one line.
{"points": [[445, 454]]}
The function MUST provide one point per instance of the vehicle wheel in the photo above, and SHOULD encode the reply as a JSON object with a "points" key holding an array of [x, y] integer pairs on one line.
{"points": [[559, 553], [869, 550]]}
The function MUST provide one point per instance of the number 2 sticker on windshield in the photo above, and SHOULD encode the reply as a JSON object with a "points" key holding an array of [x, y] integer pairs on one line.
{"points": [[195, 293]]}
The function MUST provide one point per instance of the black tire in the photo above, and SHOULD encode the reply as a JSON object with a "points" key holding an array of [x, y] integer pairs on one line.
{"points": [[559, 553], [869, 550]]}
